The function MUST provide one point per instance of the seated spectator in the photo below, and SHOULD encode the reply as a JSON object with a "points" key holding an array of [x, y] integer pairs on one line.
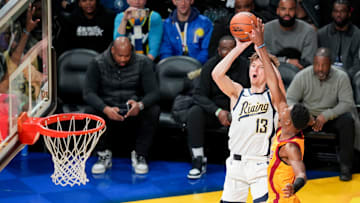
{"points": [[89, 26], [289, 32], [222, 26], [143, 27], [302, 13], [326, 91], [342, 38], [186, 32], [212, 106], [121, 87]]}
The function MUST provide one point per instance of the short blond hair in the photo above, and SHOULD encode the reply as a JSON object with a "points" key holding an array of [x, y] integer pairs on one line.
{"points": [[273, 59]]}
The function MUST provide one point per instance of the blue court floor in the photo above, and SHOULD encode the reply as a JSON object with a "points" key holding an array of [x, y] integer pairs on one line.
{"points": [[27, 179]]}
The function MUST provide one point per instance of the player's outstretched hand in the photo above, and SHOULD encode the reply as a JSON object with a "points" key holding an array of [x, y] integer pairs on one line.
{"points": [[288, 190], [257, 33], [241, 46]]}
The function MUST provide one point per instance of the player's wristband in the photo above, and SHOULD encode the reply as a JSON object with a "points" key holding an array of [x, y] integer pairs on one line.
{"points": [[261, 46], [26, 32], [217, 112], [298, 184], [122, 35]]}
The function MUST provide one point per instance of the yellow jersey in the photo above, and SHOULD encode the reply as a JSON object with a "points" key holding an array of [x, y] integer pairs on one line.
{"points": [[280, 173]]}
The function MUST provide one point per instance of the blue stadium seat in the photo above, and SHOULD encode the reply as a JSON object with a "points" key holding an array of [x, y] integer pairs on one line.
{"points": [[171, 73], [72, 66]]}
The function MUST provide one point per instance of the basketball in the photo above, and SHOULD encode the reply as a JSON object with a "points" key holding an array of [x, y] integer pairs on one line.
{"points": [[240, 24]]}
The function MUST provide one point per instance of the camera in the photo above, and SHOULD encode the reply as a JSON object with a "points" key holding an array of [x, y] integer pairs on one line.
{"points": [[124, 108]]}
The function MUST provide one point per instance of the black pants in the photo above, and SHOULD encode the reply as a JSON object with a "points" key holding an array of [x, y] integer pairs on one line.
{"points": [[197, 122], [343, 127], [139, 129]]}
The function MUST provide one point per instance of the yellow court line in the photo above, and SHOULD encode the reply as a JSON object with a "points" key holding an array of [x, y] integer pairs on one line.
{"points": [[323, 190]]}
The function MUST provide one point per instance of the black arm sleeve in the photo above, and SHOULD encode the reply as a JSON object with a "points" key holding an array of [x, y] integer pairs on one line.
{"points": [[149, 83], [91, 87], [298, 184]]}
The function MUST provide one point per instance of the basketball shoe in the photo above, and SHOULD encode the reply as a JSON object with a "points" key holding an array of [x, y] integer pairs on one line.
{"points": [[198, 167], [103, 162], [139, 163]]}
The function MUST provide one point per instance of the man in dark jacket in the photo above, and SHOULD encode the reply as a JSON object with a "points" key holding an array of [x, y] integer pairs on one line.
{"points": [[121, 87], [89, 26], [211, 105], [342, 38]]}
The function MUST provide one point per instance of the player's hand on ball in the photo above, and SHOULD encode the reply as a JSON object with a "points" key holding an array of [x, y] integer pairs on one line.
{"points": [[241, 46], [223, 118], [288, 190], [257, 33]]}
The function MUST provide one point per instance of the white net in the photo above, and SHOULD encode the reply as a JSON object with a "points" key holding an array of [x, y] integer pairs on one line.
{"points": [[70, 153]]}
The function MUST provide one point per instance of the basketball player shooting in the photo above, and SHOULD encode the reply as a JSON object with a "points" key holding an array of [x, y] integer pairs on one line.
{"points": [[251, 128], [286, 171]]}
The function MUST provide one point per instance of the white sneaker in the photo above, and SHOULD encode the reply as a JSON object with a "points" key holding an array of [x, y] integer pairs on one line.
{"points": [[139, 163], [103, 162], [198, 167]]}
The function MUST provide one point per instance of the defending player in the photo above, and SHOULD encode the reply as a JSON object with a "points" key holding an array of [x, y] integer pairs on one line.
{"points": [[286, 171], [250, 131]]}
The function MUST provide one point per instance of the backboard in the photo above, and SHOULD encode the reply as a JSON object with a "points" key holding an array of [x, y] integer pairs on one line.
{"points": [[27, 73]]}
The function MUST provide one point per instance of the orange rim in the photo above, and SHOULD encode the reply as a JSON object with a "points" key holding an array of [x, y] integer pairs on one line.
{"points": [[66, 117]]}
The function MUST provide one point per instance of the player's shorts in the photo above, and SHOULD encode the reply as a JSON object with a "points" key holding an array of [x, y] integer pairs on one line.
{"points": [[249, 172]]}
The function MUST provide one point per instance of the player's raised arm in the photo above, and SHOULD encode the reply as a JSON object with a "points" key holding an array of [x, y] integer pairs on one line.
{"points": [[257, 37], [226, 85]]}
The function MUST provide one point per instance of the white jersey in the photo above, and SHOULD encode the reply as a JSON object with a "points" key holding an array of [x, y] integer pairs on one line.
{"points": [[252, 125]]}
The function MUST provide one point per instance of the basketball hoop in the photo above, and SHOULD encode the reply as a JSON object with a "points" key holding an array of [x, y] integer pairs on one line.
{"points": [[69, 137]]}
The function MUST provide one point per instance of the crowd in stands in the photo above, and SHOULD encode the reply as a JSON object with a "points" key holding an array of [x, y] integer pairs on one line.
{"points": [[121, 79]]}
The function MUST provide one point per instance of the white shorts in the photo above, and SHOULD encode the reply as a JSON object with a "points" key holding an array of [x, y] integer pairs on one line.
{"points": [[242, 175]]}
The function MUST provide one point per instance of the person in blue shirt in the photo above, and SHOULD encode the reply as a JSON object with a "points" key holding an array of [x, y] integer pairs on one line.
{"points": [[186, 32], [143, 27]]}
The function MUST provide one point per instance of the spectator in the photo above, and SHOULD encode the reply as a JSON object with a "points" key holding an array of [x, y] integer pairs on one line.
{"points": [[212, 106], [89, 26], [186, 32], [142, 27], [23, 40], [342, 38], [282, 32], [115, 78], [222, 26], [326, 91]]}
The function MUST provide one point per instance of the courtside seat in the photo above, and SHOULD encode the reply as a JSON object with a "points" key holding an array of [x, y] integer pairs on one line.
{"points": [[287, 72], [72, 66], [171, 73]]}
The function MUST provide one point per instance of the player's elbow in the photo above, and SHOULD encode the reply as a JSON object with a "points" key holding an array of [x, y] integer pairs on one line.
{"points": [[215, 75]]}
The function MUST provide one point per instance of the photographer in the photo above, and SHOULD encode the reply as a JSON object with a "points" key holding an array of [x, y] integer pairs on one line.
{"points": [[121, 87], [143, 27]]}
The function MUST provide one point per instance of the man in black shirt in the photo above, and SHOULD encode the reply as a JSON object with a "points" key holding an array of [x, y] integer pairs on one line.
{"points": [[211, 105], [121, 87]]}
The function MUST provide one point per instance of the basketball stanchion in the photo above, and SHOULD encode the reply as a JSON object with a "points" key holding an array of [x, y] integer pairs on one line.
{"points": [[69, 137]]}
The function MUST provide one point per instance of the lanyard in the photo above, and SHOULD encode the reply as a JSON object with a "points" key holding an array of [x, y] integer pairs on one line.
{"points": [[182, 37]]}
